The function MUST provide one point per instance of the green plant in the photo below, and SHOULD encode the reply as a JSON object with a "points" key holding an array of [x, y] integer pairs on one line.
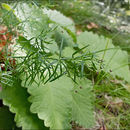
{"points": [[46, 71], [51, 83], [113, 59]]}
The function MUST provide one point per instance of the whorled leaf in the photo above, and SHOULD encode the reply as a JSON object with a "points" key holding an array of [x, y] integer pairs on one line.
{"points": [[16, 98], [114, 59]]}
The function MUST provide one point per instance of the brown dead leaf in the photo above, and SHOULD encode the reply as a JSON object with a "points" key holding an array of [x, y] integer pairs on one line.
{"points": [[114, 102], [92, 25], [78, 32]]}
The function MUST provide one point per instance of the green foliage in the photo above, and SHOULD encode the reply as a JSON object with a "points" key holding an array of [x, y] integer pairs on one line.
{"points": [[32, 20], [80, 11], [81, 106], [113, 90], [60, 19], [35, 23], [60, 35], [16, 97], [52, 83], [52, 102], [114, 59], [8, 18], [26, 44], [113, 101], [84, 12], [62, 101], [6, 119]]}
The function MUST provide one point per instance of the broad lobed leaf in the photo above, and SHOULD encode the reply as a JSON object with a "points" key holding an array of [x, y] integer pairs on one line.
{"points": [[62, 101], [114, 59], [52, 102], [60, 19], [82, 107], [16, 98], [6, 119]]}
